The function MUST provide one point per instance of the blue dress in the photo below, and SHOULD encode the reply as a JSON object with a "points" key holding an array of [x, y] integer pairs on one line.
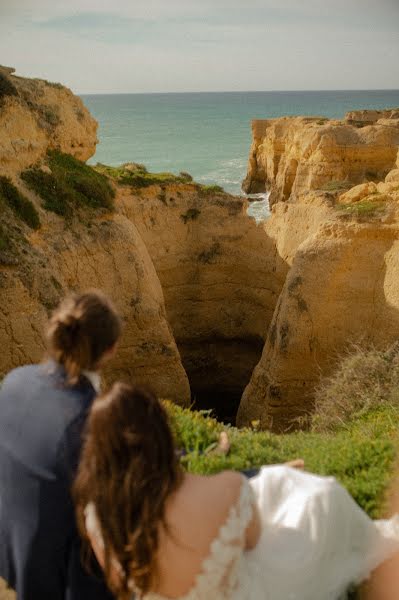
{"points": [[41, 423]]}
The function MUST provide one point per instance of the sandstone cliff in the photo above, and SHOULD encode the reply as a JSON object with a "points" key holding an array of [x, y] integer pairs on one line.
{"points": [[221, 277], [210, 299], [341, 288], [292, 155], [37, 115], [71, 246]]}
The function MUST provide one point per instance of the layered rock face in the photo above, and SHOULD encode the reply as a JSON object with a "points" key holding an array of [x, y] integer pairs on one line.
{"points": [[209, 298], [92, 248], [35, 116], [342, 288], [110, 256], [292, 155], [221, 276]]}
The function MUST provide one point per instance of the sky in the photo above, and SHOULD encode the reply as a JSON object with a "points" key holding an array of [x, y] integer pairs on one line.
{"points": [[135, 46]]}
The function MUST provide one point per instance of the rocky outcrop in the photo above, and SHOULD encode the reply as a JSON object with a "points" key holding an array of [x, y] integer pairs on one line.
{"points": [[92, 247], [37, 115], [110, 256], [342, 288], [209, 298], [292, 155]]}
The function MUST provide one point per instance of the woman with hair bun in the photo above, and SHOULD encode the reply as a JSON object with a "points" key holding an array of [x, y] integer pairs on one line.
{"points": [[43, 409], [164, 534]]}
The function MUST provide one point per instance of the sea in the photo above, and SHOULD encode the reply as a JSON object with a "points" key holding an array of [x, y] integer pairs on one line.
{"points": [[208, 134]]}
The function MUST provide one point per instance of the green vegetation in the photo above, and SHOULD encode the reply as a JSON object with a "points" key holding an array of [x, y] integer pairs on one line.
{"points": [[137, 176], [191, 215], [362, 463], [69, 184], [367, 208], [7, 88], [365, 380], [336, 186], [354, 432], [20, 205], [211, 189]]}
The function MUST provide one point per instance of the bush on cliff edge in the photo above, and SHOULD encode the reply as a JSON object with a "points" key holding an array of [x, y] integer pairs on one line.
{"points": [[69, 184]]}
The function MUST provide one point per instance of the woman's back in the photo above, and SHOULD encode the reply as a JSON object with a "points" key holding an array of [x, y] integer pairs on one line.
{"points": [[195, 515]]}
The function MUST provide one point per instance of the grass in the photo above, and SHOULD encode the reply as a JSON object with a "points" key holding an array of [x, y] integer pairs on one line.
{"points": [[363, 464], [139, 177], [367, 379], [21, 206], [354, 433], [336, 186], [70, 184], [367, 208], [208, 190]]}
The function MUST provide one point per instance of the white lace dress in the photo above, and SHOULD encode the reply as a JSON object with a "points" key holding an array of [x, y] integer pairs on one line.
{"points": [[315, 541]]}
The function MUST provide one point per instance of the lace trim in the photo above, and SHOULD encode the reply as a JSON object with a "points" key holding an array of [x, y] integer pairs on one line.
{"points": [[224, 551]]}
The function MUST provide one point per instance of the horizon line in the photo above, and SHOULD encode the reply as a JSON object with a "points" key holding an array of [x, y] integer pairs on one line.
{"points": [[237, 92]]}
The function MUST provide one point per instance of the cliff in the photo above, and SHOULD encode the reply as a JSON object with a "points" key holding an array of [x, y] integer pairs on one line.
{"points": [[220, 311], [60, 231], [292, 155], [36, 116], [341, 288]]}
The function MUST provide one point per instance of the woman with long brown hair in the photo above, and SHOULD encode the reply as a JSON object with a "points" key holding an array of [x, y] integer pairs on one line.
{"points": [[43, 409], [162, 534]]}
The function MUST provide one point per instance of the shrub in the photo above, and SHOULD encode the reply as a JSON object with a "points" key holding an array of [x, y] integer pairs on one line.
{"points": [[365, 380], [139, 177], [211, 189], [336, 186], [20, 205], [362, 463], [70, 184], [366, 209], [7, 88], [185, 176]]}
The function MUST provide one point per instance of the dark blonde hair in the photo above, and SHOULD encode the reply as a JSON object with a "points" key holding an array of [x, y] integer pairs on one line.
{"points": [[128, 469], [81, 330]]}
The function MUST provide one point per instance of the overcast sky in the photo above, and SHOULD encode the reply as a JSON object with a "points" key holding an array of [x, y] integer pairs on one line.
{"points": [[203, 45]]}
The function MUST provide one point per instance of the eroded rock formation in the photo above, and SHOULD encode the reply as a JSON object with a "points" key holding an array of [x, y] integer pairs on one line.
{"points": [[37, 115], [93, 248], [292, 155], [206, 294], [221, 276]]}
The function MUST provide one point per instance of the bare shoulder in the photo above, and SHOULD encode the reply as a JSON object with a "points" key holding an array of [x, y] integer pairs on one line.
{"points": [[229, 483]]}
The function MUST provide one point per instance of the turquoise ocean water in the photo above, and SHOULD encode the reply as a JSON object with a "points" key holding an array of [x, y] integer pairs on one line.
{"points": [[206, 134]]}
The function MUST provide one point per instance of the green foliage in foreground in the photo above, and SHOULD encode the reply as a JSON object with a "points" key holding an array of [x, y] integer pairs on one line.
{"points": [[70, 184], [21, 206], [360, 456]]}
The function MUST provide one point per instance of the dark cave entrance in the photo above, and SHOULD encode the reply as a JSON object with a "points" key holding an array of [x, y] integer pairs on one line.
{"points": [[219, 369]]}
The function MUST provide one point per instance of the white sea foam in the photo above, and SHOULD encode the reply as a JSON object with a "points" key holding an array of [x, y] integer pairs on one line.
{"points": [[259, 208]]}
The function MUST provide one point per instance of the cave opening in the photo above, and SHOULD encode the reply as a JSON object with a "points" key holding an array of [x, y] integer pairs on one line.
{"points": [[219, 369]]}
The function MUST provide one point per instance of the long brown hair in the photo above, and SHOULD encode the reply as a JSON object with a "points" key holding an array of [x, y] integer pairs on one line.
{"points": [[128, 469], [81, 330]]}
